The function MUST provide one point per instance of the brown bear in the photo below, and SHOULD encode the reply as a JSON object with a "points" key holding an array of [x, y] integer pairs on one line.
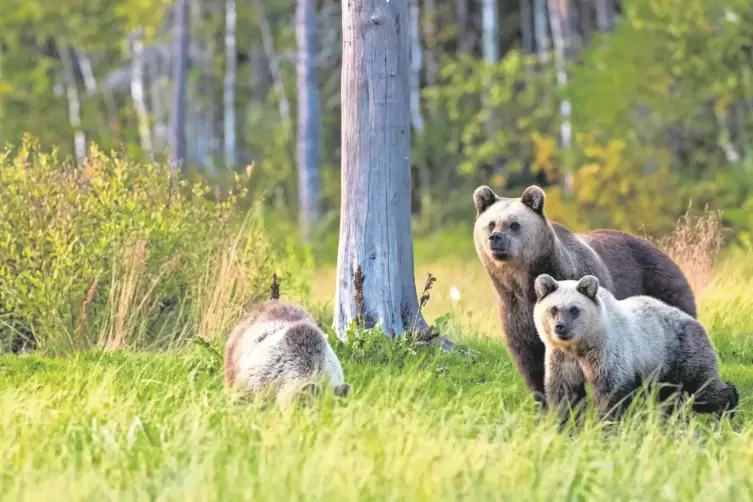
{"points": [[516, 243]]}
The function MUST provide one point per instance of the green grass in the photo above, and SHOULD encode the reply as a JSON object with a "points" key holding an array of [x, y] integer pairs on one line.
{"points": [[420, 426]]}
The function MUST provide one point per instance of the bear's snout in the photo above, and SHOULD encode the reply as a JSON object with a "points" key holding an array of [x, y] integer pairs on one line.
{"points": [[499, 244], [562, 331]]}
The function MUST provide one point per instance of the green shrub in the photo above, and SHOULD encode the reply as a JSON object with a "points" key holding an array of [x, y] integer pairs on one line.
{"points": [[115, 252]]}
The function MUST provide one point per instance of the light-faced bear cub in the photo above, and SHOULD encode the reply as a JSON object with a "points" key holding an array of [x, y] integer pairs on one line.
{"points": [[516, 243], [278, 347], [619, 344]]}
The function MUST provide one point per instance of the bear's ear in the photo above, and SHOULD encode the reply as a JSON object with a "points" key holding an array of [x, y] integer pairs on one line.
{"points": [[483, 197], [544, 285], [588, 286], [533, 197]]}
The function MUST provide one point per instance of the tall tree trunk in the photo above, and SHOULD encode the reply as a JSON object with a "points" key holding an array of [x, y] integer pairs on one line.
{"points": [[309, 117], [557, 21], [375, 217], [465, 34], [180, 77], [230, 77], [417, 119], [604, 15], [274, 63], [137, 90], [430, 41], [74, 105], [490, 31], [541, 31], [159, 77], [525, 26]]}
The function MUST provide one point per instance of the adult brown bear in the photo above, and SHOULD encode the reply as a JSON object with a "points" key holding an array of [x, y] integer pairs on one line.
{"points": [[516, 243]]}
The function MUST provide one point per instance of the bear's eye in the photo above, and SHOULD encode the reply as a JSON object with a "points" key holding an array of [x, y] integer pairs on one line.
{"points": [[554, 310], [514, 226], [574, 311], [491, 226]]}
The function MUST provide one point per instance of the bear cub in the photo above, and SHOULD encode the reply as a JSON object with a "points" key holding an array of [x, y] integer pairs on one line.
{"points": [[279, 347], [619, 344]]}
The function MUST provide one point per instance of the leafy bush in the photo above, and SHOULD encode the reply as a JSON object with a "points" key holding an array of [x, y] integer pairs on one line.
{"points": [[115, 252]]}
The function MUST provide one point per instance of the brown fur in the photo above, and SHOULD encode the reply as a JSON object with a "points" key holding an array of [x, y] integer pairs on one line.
{"points": [[624, 264], [271, 310]]}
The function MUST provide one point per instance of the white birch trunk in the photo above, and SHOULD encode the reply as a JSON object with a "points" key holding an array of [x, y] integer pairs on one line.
{"points": [[137, 91], [180, 76], [274, 63], [375, 217], [541, 31], [309, 117], [557, 23], [230, 77], [490, 31], [74, 105]]}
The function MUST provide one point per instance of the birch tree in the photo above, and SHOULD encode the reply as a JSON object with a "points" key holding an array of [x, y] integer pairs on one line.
{"points": [[74, 104], [180, 76], [230, 77], [417, 119], [309, 116], [375, 218], [137, 90], [558, 24]]}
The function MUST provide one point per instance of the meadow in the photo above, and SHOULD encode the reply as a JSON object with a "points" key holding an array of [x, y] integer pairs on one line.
{"points": [[420, 424]]}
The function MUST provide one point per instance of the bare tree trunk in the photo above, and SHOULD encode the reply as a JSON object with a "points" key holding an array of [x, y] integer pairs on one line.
{"points": [[541, 31], [585, 20], [230, 77], [490, 31], [465, 36], [417, 119], [525, 26], [180, 77], [557, 22], [430, 41], [604, 15], [274, 63], [137, 90], [111, 111], [159, 78], [74, 105], [375, 221], [309, 117]]}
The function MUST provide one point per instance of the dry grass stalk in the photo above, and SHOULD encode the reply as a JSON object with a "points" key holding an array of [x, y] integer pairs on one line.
{"points": [[221, 293], [695, 245], [128, 300], [84, 306]]}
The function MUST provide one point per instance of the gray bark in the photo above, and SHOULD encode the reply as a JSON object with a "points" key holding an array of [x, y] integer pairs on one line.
{"points": [[375, 216], [490, 31], [417, 118], [274, 63], [430, 41], [604, 15], [74, 105], [230, 77], [309, 117], [525, 26], [180, 77], [137, 90], [541, 31], [558, 22], [159, 73]]}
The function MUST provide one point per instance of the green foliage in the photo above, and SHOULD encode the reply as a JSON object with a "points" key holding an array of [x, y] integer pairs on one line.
{"points": [[83, 250]]}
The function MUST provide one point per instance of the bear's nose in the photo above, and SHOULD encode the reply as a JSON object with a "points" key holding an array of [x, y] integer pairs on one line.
{"points": [[560, 328], [495, 238]]}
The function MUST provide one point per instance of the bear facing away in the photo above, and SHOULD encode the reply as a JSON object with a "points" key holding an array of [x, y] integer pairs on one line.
{"points": [[619, 344], [516, 243], [279, 347]]}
